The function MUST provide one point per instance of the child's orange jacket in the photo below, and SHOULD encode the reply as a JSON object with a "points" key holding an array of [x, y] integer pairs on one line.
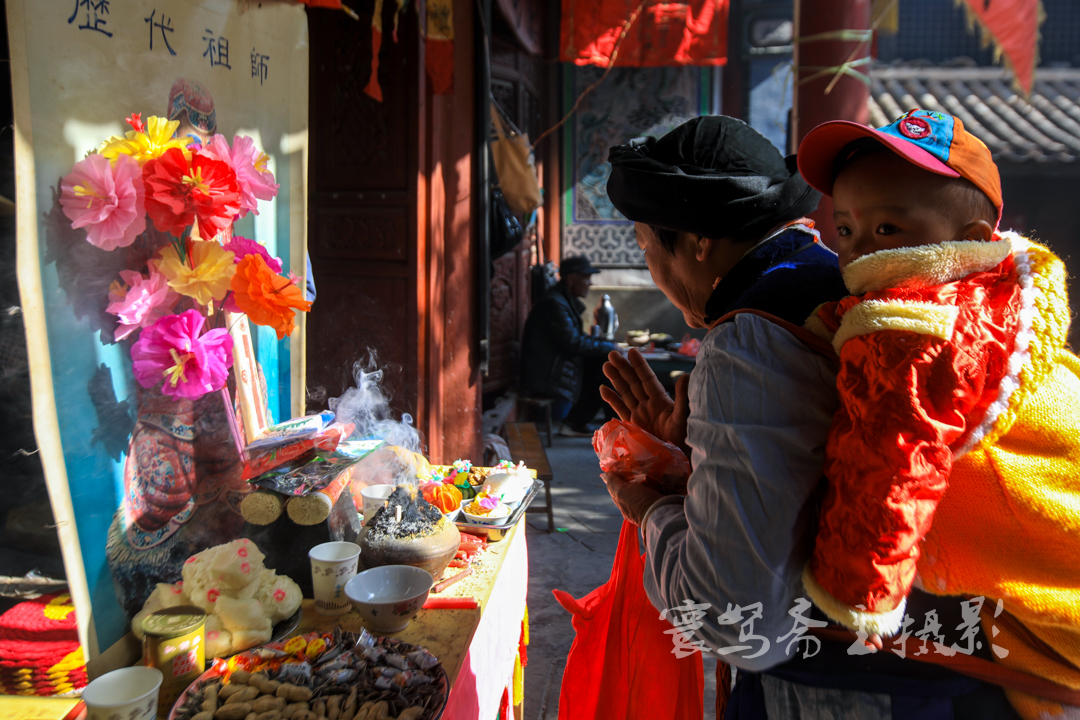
{"points": [[954, 459]]}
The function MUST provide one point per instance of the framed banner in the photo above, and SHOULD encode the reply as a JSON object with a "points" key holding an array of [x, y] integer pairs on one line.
{"points": [[79, 68], [630, 103]]}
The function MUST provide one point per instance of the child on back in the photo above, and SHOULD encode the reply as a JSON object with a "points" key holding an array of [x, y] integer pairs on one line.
{"points": [[954, 459]]}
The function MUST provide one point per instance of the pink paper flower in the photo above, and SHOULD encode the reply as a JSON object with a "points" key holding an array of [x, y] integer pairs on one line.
{"points": [[173, 350], [142, 303], [107, 200], [489, 503], [241, 247], [251, 167]]}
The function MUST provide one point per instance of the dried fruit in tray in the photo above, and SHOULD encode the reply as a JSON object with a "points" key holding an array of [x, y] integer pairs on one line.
{"points": [[339, 675]]}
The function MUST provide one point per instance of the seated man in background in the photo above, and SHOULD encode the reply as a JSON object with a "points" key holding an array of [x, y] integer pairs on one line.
{"points": [[559, 360]]}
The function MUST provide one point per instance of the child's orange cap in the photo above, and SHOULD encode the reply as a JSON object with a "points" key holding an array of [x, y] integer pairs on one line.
{"points": [[931, 140]]}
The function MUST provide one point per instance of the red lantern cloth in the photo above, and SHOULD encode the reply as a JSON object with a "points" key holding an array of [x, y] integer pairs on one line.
{"points": [[39, 648], [665, 33], [1013, 25]]}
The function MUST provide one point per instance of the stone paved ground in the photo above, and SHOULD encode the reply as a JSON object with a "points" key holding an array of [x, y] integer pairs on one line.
{"points": [[576, 558]]}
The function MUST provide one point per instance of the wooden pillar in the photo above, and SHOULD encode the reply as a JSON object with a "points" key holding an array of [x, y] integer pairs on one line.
{"points": [[847, 99], [551, 151], [733, 92], [452, 422]]}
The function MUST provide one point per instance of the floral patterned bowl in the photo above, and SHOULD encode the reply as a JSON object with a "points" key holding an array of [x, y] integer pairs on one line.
{"points": [[389, 596]]}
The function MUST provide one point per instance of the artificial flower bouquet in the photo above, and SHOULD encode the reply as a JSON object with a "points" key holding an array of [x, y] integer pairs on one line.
{"points": [[172, 311]]}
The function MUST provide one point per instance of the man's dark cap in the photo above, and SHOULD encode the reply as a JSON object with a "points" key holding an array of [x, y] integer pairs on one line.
{"points": [[714, 176], [577, 264]]}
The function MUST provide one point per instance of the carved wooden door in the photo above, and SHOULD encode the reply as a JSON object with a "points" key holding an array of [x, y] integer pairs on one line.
{"points": [[362, 201]]}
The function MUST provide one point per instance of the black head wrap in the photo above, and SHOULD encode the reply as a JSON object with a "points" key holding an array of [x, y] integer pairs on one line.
{"points": [[713, 176]]}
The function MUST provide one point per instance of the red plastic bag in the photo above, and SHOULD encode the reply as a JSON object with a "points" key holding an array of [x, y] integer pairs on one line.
{"points": [[621, 664], [629, 451], [689, 346]]}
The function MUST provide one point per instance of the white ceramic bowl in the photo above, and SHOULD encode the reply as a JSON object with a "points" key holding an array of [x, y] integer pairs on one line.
{"points": [[498, 516], [388, 597]]}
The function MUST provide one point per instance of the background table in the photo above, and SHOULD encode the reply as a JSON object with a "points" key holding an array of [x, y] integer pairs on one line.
{"points": [[664, 363]]}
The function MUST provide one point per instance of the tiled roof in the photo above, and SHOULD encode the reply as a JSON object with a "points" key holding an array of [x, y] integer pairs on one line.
{"points": [[1044, 130]]}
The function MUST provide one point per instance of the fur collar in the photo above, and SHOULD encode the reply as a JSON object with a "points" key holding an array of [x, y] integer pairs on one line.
{"points": [[926, 265]]}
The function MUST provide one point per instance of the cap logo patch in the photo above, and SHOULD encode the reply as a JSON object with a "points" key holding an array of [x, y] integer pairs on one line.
{"points": [[915, 128]]}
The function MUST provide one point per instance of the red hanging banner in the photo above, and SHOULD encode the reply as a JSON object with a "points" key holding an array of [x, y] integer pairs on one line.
{"points": [[439, 46], [663, 33], [373, 89], [1013, 27]]}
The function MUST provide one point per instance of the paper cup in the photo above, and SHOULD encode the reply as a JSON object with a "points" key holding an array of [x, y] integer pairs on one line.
{"points": [[373, 497], [129, 693], [332, 565]]}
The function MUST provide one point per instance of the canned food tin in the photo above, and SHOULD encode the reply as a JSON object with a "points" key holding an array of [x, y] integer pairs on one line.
{"points": [[173, 643]]}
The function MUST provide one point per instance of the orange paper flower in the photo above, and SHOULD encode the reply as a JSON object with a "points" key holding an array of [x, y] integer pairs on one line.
{"points": [[267, 298]]}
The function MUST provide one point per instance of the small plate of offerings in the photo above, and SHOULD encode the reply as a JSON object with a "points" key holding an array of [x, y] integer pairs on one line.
{"points": [[341, 675], [507, 489], [486, 508], [513, 485]]}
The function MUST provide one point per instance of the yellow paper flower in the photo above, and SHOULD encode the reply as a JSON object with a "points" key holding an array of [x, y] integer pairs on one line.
{"points": [[209, 278], [148, 144]]}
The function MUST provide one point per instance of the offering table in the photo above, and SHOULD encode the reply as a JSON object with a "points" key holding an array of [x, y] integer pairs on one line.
{"points": [[477, 647]]}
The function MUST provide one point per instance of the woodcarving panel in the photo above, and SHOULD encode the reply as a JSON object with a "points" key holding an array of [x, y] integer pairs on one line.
{"points": [[362, 204]]}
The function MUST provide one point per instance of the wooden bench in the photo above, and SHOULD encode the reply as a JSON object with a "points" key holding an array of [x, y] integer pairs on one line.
{"points": [[544, 405], [526, 446]]}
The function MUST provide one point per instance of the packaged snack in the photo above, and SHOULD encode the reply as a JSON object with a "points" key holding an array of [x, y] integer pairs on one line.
{"points": [[290, 431], [326, 440], [315, 471]]}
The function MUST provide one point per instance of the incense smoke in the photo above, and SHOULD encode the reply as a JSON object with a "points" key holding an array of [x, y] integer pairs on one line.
{"points": [[367, 406]]}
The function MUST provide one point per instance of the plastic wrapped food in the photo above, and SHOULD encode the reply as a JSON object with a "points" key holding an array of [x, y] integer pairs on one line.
{"points": [[290, 431], [626, 450]]}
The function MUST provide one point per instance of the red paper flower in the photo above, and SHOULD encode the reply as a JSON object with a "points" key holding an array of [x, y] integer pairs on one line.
{"points": [[136, 123], [268, 298], [180, 192]]}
